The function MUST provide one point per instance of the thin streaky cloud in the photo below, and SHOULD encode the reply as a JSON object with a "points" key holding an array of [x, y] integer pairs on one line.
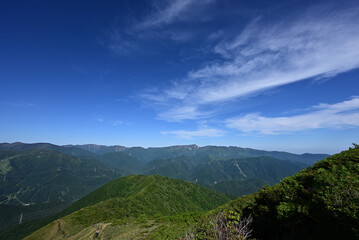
{"points": [[186, 112], [202, 132], [15, 104], [100, 119], [119, 42], [338, 115], [266, 55], [174, 11], [115, 123], [155, 26]]}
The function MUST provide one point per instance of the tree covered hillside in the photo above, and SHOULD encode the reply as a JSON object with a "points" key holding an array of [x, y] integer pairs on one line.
{"points": [[136, 200], [39, 176], [248, 174], [40, 183], [320, 202]]}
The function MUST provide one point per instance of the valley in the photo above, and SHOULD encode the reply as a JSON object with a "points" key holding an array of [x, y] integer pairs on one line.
{"points": [[41, 180], [323, 196]]}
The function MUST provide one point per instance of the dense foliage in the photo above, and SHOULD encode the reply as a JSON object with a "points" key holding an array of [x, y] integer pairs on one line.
{"points": [[320, 202], [235, 176], [139, 198], [146, 195], [39, 183], [39, 176]]}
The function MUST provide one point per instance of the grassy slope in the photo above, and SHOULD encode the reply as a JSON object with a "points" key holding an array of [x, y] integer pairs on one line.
{"points": [[135, 201]]}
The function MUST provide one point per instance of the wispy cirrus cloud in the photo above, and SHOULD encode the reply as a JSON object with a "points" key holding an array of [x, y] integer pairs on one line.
{"points": [[201, 132], [319, 43], [116, 123], [127, 39], [19, 104], [170, 12], [120, 42], [186, 112], [113, 123], [338, 115]]}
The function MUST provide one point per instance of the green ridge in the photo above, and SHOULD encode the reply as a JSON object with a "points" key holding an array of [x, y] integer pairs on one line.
{"points": [[136, 199]]}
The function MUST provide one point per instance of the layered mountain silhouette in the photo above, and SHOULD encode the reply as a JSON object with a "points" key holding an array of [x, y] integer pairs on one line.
{"points": [[319, 202], [39, 180]]}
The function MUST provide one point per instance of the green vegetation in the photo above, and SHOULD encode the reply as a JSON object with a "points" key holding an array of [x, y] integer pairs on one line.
{"points": [[235, 176], [42, 179], [216, 153], [5, 166], [320, 202], [159, 204], [239, 188], [39, 176], [137, 195], [34, 217], [70, 150], [40, 183], [122, 160]]}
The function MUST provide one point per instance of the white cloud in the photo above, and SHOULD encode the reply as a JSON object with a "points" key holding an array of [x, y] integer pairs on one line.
{"points": [[343, 114], [115, 123], [100, 119], [186, 112], [130, 38], [202, 132], [317, 44], [175, 10]]}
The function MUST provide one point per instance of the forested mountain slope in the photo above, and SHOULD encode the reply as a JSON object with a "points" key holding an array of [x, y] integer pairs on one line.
{"points": [[39, 183], [135, 200], [255, 171], [41, 179], [320, 202]]}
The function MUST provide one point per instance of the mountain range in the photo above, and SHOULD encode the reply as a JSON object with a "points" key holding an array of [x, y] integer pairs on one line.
{"points": [[319, 202], [42, 179], [148, 154]]}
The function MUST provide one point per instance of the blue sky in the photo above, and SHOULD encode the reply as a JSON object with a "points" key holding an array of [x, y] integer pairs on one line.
{"points": [[273, 75]]}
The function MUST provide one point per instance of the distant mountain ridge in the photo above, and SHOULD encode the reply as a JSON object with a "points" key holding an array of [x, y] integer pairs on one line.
{"points": [[99, 149], [206, 166], [216, 152], [71, 150], [148, 154]]}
